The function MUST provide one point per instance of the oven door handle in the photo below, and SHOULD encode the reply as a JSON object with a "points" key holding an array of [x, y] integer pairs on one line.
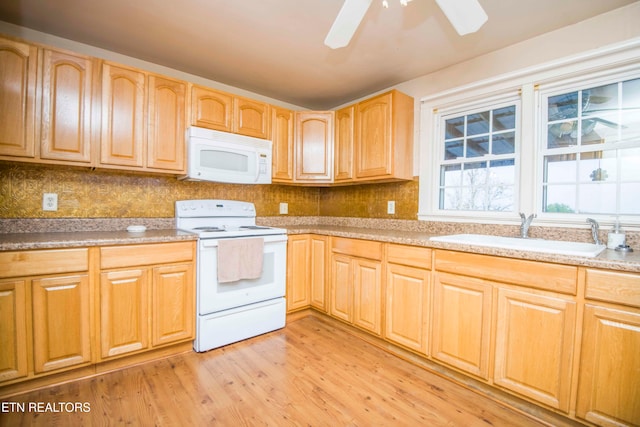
{"points": [[210, 243]]}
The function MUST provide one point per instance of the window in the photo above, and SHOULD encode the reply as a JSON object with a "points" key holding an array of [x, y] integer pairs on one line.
{"points": [[591, 150], [559, 140], [477, 168]]}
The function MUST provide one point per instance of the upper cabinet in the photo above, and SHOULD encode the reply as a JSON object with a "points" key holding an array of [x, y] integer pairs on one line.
{"points": [[343, 145], [384, 138], [282, 121], [314, 146], [18, 62], [143, 120], [213, 109]]}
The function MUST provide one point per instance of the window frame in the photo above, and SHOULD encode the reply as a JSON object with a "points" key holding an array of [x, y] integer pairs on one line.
{"points": [[602, 64]]}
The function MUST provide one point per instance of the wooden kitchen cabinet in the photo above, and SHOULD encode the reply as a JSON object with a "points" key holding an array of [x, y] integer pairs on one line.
{"points": [[67, 101], [218, 110], [45, 312], [356, 283], [61, 322], [147, 296], [282, 136], [143, 120], [534, 346], [18, 68], [609, 374], [313, 147], [307, 272], [384, 137], [13, 330], [408, 295], [343, 152], [461, 331]]}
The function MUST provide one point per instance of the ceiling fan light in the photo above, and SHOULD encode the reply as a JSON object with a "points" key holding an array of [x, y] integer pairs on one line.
{"points": [[466, 16]]}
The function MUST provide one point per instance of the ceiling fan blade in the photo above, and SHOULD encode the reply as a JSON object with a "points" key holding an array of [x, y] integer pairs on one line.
{"points": [[466, 16], [346, 23]]}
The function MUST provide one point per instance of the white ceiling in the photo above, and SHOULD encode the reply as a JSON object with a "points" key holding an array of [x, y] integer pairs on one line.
{"points": [[275, 47]]}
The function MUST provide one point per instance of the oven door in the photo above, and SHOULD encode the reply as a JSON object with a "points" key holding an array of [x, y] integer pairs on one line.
{"points": [[214, 296]]}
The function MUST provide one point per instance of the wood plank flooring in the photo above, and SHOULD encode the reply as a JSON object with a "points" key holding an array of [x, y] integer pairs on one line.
{"points": [[308, 374]]}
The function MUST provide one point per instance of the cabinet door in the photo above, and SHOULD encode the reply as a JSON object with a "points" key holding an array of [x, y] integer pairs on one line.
{"points": [[319, 246], [67, 86], [166, 142], [367, 295], [344, 139], [124, 302], [61, 328], [374, 149], [282, 138], [534, 346], [251, 118], [123, 117], [298, 274], [462, 322], [406, 306], [211, 109], [13, 330], [341, 287], [173, 304], [609, 383], [314, 146], [18, 62]]}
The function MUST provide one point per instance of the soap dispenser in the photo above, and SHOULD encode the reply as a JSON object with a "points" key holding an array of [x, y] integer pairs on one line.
{"points": [[616, 237]]}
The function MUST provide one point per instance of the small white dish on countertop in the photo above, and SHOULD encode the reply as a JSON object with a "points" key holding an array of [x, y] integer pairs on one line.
{"points": [[136, 229]]}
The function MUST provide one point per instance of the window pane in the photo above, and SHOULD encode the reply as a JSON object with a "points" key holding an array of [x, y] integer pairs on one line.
{"points": [[630, 165], [478, 147], [501, 185], [478, 123], [598, 166], [559, 198], [629, 200], [453, 149], [454, 128], [563, 134], [504, 118], [598, 198], [600, 99], [561, 168], [504, 143], [474, 174], [599, 130], [561, 107], [450, 175]]}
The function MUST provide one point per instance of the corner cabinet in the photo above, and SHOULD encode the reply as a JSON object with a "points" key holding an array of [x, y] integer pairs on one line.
{"points": [[384, 137], [147, 296], [307, 272], [282, 136]]}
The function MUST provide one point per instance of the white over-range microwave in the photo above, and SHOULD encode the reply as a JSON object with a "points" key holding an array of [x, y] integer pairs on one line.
{"points": [[227, 157]]}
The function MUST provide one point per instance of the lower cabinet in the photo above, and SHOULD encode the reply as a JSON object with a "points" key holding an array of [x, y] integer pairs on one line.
{"points": [[462, 322], [534, 346], [609, 379], [13, 330], [147, 297], [356, 283], [307, 272]]}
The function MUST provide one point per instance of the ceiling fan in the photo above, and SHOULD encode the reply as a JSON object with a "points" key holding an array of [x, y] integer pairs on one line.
{"points": [[466, 16]]}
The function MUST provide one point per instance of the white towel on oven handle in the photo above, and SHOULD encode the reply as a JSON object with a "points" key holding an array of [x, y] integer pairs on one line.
{"points": [[240, 259]]}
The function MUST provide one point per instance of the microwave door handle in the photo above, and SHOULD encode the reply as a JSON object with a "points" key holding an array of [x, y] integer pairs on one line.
{"points": [[257, 168]]}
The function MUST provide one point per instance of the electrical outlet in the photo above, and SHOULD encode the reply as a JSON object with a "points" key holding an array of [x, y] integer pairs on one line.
{"points": [[391, 207], [49, 202], [284, 208]]}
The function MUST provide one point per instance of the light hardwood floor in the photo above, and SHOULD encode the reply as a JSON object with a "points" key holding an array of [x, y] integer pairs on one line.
{"points": [[309, 373]]}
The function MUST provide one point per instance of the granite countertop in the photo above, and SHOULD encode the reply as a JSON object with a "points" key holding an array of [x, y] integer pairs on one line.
{"points": [[609, 258], [68, 239]]}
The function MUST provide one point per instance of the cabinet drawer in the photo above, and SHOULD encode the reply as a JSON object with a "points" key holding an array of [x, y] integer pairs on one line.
{"points": [[533, 274], [413, 256], [613, 286], [356, 247], [132, 255], [34, 263]]}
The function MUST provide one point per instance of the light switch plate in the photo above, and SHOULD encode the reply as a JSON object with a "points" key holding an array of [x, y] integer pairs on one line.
{"points": [[284, 208]]}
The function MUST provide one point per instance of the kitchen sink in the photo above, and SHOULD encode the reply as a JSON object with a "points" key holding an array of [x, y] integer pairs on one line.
{"points": [[516, 243]]}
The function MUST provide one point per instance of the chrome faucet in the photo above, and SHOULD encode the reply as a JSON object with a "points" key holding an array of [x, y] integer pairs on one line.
{"points": [[594, 230], [525, 224]]}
